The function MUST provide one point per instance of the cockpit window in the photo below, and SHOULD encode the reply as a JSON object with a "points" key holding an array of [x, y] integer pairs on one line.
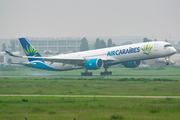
{"points": [[167, 45]]}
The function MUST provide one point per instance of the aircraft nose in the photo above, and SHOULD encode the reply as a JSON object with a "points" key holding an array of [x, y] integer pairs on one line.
{"points": [[174, 50]]}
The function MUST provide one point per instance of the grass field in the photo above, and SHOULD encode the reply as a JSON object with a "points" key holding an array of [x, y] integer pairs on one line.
{"points": [[60, 108], [116, 71], [90, 86], [85, 108]]}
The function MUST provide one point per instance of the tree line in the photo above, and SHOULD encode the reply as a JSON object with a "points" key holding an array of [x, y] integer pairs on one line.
{"points": [[97, 45], [102, 44], [149, 40], [13, 47]]}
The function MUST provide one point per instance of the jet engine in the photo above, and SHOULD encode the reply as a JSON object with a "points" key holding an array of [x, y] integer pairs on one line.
{"points": [[93, 64], [132, 64]]}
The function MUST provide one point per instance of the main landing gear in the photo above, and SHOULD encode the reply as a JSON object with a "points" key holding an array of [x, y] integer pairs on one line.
{"points": [[86, 73], [106, 72]]}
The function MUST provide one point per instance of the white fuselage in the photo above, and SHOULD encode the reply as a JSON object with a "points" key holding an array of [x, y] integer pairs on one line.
{"points": [[120, 54]]}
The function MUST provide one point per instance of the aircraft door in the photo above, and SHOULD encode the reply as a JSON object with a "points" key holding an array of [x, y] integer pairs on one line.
{"points": [[156, 47]]}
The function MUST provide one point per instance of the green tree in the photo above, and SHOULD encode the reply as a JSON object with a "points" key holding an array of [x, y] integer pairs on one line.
{"points": [[103, 44], [109, 43], [9, 60], [97, 44], [178, 42], [4, 47], [84, 45], [20, 47], [155, 39], [166, 40], [113, 44], [147, 40], [47, 52], [13, 47], [127, 43]]}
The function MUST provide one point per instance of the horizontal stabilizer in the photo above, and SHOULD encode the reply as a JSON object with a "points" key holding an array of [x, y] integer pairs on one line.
{"points": [[29, 64], [13, 54]]}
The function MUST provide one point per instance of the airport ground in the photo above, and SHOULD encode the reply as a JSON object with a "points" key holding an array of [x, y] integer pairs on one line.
{"points": [[86, 108], [94, 107], [90, 86], [154, 71]]}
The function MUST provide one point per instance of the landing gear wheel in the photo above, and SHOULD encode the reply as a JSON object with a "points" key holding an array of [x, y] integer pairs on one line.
{"points": [[167, 60], [167, 63], [82, 74], [110, 73], [102, 73], [106, 73], [86, 73]]}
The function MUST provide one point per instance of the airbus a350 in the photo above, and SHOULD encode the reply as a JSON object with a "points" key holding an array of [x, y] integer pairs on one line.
{"points": [[128, 55]]}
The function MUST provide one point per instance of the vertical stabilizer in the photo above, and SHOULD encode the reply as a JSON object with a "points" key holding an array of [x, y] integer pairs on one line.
{"points": [[29, 50]]}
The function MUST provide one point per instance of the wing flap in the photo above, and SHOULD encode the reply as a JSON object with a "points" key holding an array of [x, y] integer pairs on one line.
{"points": [[61, 60]]}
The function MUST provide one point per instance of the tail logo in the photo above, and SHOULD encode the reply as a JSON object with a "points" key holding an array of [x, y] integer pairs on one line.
{"points": [[34, 55], [30, 51], [147, 49]]}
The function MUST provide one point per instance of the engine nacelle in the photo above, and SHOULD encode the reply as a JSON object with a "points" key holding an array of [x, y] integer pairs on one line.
{"points": [[93, 64], [132, 64]]}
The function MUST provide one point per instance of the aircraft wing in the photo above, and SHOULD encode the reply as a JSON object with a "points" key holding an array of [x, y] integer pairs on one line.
{"points": [[75, 61]]}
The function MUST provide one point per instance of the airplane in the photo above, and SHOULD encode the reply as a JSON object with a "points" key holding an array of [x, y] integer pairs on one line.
{"points": [[128, 55]]}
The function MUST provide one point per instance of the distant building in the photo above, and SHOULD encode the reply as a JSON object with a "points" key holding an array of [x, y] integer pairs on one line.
{"points": [[54, 45], [177, 62], [2, 58], [153, 62], [49, 44], [67, 44], [177, 46]]}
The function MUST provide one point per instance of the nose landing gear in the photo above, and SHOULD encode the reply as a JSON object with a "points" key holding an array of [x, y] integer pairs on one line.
{"points": [[167, 60]]}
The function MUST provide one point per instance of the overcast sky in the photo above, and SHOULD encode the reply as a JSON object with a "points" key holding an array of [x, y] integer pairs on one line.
{"points": [[89, 18]]}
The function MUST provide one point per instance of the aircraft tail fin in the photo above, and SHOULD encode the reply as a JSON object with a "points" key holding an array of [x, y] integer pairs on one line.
{"points": [[29, 50]]}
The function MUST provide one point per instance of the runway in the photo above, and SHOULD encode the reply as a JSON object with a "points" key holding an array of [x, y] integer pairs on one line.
{"points": [[113, 76], [123, 96]]}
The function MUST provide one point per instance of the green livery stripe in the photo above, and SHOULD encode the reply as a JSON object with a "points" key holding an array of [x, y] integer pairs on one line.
{"points": [[30, 50], [26, 51], [147, 48], [27, 48]]}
